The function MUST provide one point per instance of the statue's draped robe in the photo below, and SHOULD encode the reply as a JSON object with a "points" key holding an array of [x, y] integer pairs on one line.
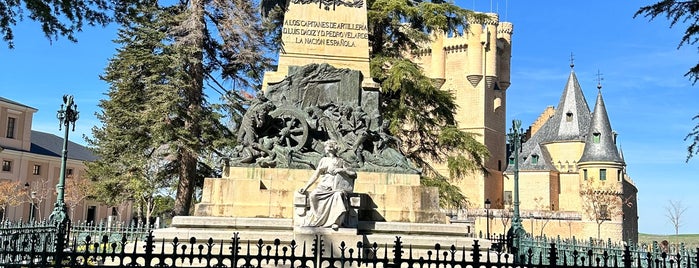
{"points": [[328, 200]]}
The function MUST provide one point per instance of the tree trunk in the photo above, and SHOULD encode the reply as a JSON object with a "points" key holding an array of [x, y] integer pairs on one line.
{"points": [[193, 94]]}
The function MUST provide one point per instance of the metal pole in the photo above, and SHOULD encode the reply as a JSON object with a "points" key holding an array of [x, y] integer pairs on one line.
{"points": [[516, 230], [487, 218], [67, 115], [31, 211]]}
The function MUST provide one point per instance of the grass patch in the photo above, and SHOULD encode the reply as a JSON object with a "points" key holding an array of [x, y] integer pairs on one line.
{"points": [[691, 241]]}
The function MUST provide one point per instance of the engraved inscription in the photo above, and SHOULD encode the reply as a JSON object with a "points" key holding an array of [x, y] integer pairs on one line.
{"points": [[324, 33]]}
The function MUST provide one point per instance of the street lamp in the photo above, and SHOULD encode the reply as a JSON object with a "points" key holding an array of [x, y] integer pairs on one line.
{"points": [[67, 116], [31, 196], [487, 218], [515, 138]]}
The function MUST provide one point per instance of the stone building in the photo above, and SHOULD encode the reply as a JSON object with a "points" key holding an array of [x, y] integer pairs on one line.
{"points": [[569, 163], [32, 159], [475, 66], [567, 144]]}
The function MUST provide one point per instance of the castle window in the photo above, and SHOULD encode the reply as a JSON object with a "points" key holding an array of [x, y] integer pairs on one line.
{"points": [[602, 174], [569, 116], [37, 170], [6, 165], [596, 137], [604, 212], [69, 171], [585, 174], [11, 127], [497, 103], [535, 159], [618, 175]]}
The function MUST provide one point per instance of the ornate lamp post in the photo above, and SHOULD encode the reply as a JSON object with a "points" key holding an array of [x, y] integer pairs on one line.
{"points": [[67, 115], [487, 218], [515, 138]]}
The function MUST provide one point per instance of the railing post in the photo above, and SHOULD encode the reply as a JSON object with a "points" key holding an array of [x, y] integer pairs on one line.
{"points": [[62, 230], [150, 245], [627, 257], [398, 252], [476, 254], [553, 256]]}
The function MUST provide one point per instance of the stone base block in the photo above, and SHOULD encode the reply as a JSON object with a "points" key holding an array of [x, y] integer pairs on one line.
{"points": [[251, 192], [418, 235]]}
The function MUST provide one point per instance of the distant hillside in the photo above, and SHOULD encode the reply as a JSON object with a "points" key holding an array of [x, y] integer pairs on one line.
{"points": [[691, 241]]}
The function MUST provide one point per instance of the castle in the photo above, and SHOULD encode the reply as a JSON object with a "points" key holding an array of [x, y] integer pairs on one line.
{"points": [[572, 177]]}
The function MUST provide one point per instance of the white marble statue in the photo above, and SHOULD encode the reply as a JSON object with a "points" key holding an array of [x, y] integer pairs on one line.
{"points": [[328, 201]]}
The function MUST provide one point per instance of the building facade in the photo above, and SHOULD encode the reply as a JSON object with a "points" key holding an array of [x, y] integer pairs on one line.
{"points": [[475, 66], [31, 162], [572, 175], [568, 148]]}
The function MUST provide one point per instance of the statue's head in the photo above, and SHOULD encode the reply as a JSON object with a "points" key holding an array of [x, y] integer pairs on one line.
{"points": [[330, 146]]}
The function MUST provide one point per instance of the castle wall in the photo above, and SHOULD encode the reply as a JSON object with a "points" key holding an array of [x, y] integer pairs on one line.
{"points": [[475, 66], [630, 211], [569, 197], [572, 228], [564, 155]]}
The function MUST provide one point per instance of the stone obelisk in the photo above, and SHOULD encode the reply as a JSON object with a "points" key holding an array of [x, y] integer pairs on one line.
{"points": [[324, 31]]}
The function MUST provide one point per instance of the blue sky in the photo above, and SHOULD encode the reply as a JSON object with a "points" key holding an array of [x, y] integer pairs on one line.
{"points": [[649, 101]]}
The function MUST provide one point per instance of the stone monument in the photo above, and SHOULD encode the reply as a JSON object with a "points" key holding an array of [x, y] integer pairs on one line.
{"points": [[333, 32], [321, 91]]}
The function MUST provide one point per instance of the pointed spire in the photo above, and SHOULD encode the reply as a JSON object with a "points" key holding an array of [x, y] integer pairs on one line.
{"points": [[600, 144], [572, 115]]}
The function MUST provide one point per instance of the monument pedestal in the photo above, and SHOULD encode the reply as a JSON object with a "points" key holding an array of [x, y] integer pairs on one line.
{"points": [[253, 192], [258, 203], [420, 236]]}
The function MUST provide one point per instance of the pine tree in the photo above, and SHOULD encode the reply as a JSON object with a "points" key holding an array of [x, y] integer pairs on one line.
{"points": [[56, 17], [234, 48], [157, 122], [130, 142], [683, 12]]}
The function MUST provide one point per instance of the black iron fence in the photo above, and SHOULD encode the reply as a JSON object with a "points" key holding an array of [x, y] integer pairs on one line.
{"points": [[38, 246]]}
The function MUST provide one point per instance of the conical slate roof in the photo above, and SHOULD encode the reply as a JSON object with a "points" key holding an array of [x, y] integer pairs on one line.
{"points": [[569, 123], [600, 144], [572, 115]]}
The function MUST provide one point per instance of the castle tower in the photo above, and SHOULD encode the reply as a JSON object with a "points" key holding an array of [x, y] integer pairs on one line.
{"points": [[568, 147], [602, 166], [475, 66], [548, 173]]}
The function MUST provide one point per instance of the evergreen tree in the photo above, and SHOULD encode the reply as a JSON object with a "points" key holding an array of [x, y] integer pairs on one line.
{"points": [[234, 47], [157, 122], [429, 133], [681, 12], [130, 142], [61, 18]]}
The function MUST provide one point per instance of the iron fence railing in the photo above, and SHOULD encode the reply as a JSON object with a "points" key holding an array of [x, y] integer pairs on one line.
{"points": [[571, 252], [37, 246], [114, 231]]}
